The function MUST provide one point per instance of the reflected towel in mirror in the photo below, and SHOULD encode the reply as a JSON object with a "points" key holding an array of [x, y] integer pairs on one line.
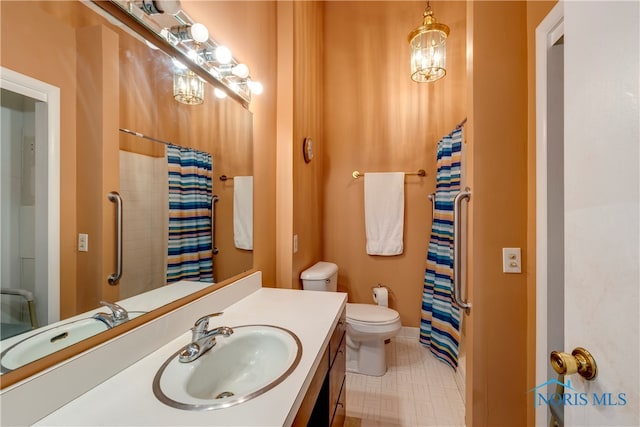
{"points": [[243, 212]]}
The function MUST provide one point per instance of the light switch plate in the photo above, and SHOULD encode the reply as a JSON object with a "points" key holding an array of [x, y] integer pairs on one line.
{"points": [[295, 243], [83, 242], [511, 260]]}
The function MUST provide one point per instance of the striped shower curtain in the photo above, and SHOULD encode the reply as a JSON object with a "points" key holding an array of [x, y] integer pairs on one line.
{"points": [[440, 324], [190, 222]]}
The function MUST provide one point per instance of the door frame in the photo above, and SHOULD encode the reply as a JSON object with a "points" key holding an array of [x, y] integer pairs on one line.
{"points": [[547, 33], [47, 123]]}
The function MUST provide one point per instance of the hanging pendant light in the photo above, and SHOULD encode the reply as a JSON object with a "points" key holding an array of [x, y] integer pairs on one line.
{"points": [[188, 88], [428, 49]]}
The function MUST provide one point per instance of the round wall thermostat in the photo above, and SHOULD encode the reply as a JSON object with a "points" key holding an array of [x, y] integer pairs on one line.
{"points": [[307, 149]]}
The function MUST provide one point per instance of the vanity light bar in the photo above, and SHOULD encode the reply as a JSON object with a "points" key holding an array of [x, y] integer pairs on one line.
{"points": [[145, 25]]}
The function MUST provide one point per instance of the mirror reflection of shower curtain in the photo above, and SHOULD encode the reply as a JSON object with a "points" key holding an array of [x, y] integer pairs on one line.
{"points": [[190, 220]]}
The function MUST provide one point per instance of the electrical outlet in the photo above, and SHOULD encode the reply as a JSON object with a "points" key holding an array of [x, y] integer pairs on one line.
{"points": [[511, 260], [295, 243], [83, 242]]}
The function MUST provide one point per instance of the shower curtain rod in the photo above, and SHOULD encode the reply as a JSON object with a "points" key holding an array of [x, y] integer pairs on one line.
{"points": [[141, 135], [150, 138]]}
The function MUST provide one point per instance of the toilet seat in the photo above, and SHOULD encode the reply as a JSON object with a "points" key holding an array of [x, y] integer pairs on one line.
{"points": [[369, 314]]}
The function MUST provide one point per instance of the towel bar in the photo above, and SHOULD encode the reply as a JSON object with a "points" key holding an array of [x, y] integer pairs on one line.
{"points": [[421, 172]]}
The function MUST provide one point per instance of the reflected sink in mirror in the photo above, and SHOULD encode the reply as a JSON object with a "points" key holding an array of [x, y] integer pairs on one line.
{"points": [[50, 340], [248, 363]]}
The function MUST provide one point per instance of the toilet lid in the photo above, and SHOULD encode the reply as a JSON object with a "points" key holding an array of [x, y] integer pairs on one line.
{"points": [[371, 313]]}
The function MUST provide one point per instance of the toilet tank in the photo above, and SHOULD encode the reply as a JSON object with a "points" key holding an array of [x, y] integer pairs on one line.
{"points": [[322, 276]]}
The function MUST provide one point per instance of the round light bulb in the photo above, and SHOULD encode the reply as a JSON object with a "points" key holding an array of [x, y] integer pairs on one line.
{"points": [[199, 33], [171, 7], [240, 70], [223, 55], [256, 87], [220, 94]]}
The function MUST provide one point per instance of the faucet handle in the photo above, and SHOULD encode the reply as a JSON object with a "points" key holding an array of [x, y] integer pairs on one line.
{"points": [[202, 324], [119, 313]]}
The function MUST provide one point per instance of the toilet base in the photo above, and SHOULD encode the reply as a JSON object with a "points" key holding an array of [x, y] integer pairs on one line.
{"points": [[366, 358]]}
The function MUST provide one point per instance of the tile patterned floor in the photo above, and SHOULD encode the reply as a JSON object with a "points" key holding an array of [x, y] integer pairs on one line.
{"points": [[417, 390]]}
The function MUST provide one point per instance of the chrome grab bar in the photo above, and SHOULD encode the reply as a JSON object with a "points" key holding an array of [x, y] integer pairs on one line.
{"points": [[457, 283], [432, 197], [214, 200], [115, 277]]}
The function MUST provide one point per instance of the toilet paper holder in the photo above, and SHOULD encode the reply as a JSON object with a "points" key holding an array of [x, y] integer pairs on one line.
{"points": [[380, 285], [386, 298]]}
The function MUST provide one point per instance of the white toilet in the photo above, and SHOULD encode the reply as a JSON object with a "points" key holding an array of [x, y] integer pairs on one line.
{"points": [[368, 325]]}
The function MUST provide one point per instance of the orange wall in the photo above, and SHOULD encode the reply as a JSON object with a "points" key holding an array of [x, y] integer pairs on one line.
{"points": [[299, 115], [249, 29], [37, 64], [96, 126], [377, 119], [284, 151], [307, 112], [497, 134]]}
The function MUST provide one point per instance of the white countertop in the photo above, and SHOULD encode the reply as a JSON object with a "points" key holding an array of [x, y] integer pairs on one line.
{"points": [[127, 399]]}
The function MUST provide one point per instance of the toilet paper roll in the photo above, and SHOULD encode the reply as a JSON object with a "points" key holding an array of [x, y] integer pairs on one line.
{"points": [[381, 296]]}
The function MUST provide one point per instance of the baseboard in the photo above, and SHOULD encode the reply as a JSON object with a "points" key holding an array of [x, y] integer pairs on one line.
{"points": [[409, 332]]}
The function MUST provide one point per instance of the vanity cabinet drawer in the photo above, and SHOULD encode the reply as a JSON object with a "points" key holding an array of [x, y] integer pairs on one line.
{"points": [[341, 407], [324, 403], [337, 393], [336, 337], [303, 418]]}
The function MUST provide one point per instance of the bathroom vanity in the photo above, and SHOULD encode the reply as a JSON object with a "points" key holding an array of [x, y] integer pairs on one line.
{"points": [[126, 398], [325, 401]]}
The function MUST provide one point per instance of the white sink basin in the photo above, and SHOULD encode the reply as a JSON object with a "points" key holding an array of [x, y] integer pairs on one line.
{"points": [[253, 360]]}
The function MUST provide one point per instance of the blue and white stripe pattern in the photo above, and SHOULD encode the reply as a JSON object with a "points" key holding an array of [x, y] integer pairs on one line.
{"points": [[440, 325], [190, 222]]}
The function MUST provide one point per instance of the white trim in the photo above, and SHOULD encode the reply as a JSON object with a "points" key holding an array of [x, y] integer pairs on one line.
{"points": [[50, 95], [547, 33]]}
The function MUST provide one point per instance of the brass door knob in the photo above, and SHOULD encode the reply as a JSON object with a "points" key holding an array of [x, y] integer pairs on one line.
{"points": [[579, 361]]}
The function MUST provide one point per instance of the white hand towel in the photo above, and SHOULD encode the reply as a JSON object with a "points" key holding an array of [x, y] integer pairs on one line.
{"points": [[384, 212], [243, 212]]}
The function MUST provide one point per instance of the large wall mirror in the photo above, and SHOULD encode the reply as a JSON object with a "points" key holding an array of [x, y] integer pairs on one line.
{"points": [[143, 198]]}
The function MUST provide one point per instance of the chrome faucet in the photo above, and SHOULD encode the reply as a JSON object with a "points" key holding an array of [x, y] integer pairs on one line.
{"points": [[117, 316], [202, 339]]}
